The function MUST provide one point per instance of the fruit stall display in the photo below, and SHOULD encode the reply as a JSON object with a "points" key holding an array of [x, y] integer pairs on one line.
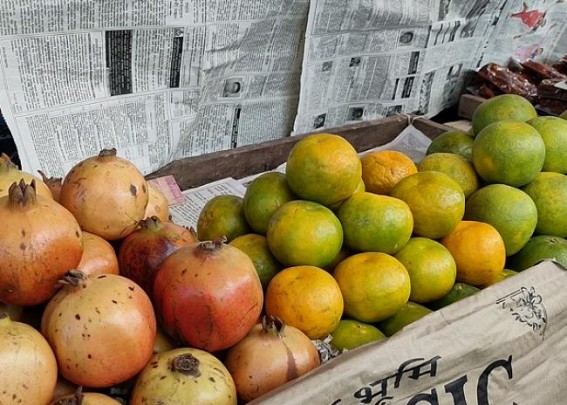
{"points": [[105, 300]]}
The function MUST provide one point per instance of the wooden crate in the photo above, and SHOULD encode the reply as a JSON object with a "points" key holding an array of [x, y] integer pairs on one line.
{"points": [[252, 159]]}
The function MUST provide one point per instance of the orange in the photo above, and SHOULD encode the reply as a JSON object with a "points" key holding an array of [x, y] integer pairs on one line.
{"points": [[375, 223], [360, 188], [323, 168], [436, 201], [504, 274], [508, 152], [510, 210], [256, 247], [478, 250], [222, 215], [505, 107], [431, 268], [263, 196], [458, 292], [408, 313], [538, 248], [553, 131], [304, 233], [455, 166], [350, 334], [549, 193], [452, 141], [374, 285], [382, 169], [306, 297]]}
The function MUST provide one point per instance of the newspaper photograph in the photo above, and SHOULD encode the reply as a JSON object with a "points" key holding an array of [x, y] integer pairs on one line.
{"points": [[161, 80]]}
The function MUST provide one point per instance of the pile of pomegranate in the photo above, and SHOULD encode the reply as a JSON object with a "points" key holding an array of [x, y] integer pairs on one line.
{"points": [[105, 300]]}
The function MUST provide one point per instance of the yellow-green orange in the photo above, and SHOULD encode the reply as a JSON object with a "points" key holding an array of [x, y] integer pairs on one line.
{"points": [[350, 334], [222, 215], [452, 141], [457, 293], [563, 115], [407, 314], [375, 223], [455, 166], [304, 233], [324, 168], [431, 268], [263, 196], [306, 297], [374, 285], [256, 247], [508, 152], [553, 131], [436, 201], [510, 210], [505, 107], [549, 193], [538, 248]]}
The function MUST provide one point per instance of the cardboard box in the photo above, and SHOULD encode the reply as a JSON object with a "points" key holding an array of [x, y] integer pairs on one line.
{"points": [[504, 345]]}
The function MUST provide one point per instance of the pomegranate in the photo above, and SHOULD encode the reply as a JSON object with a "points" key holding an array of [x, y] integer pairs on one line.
{"points": [[142, 251], [53, 183], [107, 194], [102, 328], [99, 256], [85, 398], [10, 173], [158, 205], [208, 295], [184, 376], [29, 371], [39, 242], [270, 355]]}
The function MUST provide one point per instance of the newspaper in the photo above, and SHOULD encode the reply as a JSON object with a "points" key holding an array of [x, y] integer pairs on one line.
{"points": [[161, 80], [367, 60], [157, 80], [507, 344]]}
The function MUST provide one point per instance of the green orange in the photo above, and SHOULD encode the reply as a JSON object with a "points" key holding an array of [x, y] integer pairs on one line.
{"points": [[350, 334], [457, 293], [304, 233], [505, 107], [455, 166], [264, 195], [407, 314], [553, 131], [510, 210], [452, 141], [222, 215], [431, 267], [323, 168], [436, 201], [538, 248], [549, 193], [256, 247], [508, 152], [375, 223]]}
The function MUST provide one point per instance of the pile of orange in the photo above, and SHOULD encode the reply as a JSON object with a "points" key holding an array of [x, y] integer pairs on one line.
{"points": [[358, 246]]}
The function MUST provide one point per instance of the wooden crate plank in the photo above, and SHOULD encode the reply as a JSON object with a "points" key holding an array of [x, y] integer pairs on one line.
{"points": [[467, 104], [247, 160]]}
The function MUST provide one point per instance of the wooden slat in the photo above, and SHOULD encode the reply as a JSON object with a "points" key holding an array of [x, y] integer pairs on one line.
{"points": [[247, 160], [467, 104]]}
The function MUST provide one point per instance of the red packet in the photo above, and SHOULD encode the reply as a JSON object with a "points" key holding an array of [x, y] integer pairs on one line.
{"points": [[170, 189]]}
